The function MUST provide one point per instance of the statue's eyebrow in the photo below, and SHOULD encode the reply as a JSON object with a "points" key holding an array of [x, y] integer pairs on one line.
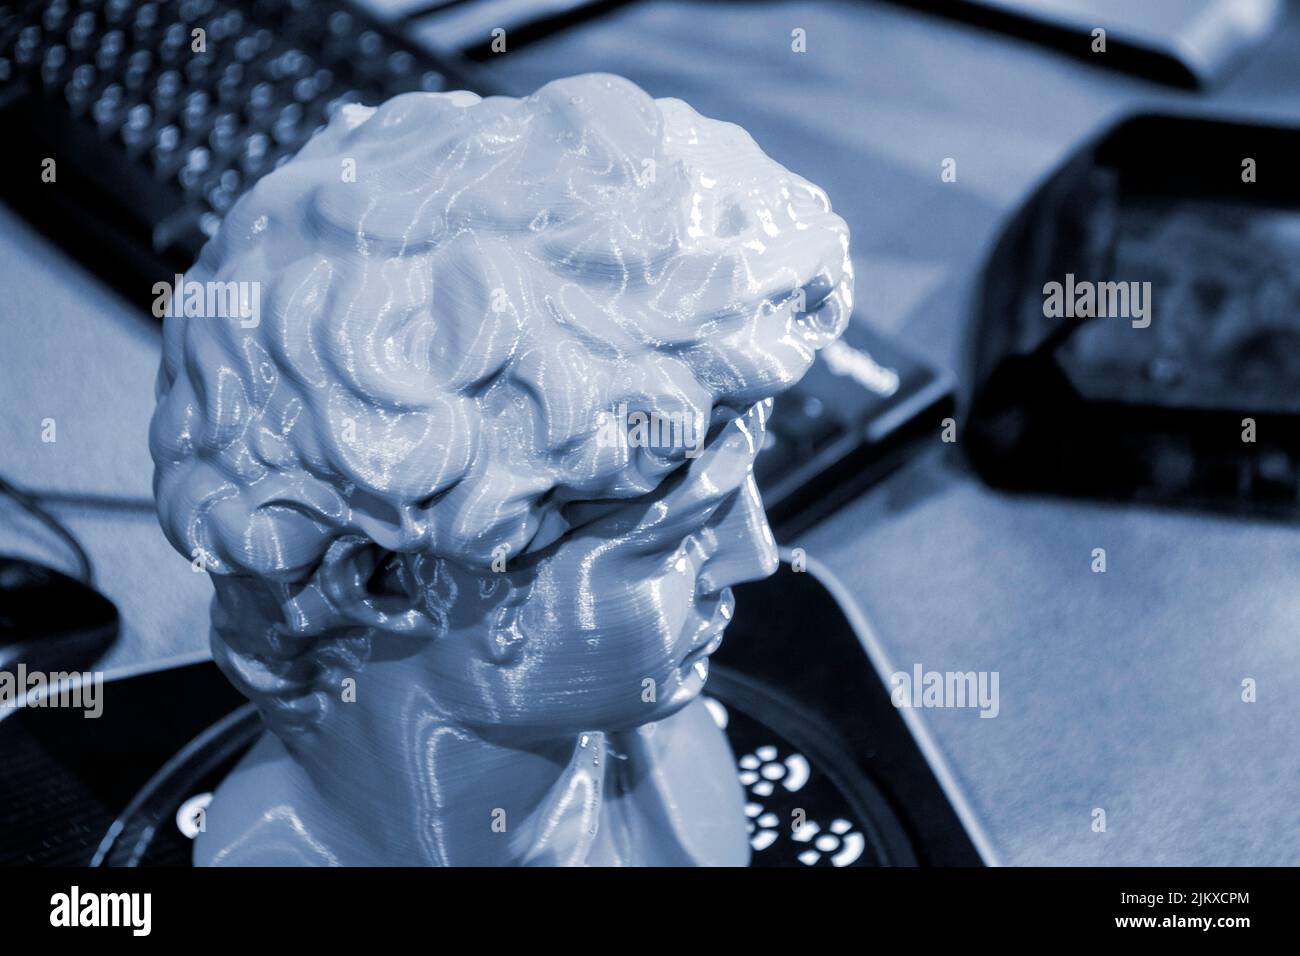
{"points": [[598, 509]]}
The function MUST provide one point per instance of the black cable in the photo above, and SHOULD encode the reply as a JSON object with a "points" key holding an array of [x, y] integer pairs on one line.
{"points": [[33, 507], [133, 504]]}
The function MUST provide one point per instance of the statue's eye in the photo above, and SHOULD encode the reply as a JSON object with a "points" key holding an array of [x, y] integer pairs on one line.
{"points": [[733, 221]]}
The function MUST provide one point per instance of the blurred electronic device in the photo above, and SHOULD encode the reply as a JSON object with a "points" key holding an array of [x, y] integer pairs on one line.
{"points": [[1180, 381], [1186, 42], [155, 142], [50, 621]]}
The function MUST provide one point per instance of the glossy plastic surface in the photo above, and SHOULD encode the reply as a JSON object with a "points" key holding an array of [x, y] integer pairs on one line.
{"points": [[474, 477]]}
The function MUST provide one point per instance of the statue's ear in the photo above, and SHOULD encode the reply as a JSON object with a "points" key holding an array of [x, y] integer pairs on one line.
{"points": [[370, 586]]}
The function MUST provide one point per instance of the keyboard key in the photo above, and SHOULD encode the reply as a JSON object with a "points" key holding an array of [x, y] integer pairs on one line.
{"points": [[224, 135], [83, 30], [255, 159], [55, 64], [54, 17], [196, 165], [138, 121], [107, 110]]}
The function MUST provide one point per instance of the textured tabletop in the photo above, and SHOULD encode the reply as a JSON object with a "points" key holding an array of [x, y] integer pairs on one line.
{"points": [[74, 352]]}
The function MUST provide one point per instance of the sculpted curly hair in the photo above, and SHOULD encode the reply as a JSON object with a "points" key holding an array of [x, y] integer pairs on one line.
{"points": [[451, 289]]}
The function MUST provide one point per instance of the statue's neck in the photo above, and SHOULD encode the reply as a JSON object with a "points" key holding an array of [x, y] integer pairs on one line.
{"points": [[438, 795]]}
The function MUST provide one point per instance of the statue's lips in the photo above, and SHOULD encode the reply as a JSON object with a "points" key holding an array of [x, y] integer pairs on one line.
{"points": [[709, 638]]}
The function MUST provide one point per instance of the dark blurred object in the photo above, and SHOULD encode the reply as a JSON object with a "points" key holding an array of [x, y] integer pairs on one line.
{"points": [[49, 621], [66, 778], [156, 138], [1104, 406], [1187, 43]]}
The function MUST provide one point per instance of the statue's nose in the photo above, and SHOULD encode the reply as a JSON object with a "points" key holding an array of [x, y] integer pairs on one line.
{"points": [[745, 549]]}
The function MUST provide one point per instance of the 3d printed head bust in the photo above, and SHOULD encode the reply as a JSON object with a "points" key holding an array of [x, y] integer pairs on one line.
{"points": [[476, 627]]}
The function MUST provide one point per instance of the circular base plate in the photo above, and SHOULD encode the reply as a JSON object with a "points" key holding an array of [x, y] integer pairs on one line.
{"points": [[806, 802]]}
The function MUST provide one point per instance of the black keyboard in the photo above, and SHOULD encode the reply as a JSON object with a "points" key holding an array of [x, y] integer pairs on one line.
{"points": [[155, 135], [160, 115]]}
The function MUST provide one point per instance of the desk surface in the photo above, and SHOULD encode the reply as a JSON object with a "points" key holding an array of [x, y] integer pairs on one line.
{"points": [[1119, 691]]}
